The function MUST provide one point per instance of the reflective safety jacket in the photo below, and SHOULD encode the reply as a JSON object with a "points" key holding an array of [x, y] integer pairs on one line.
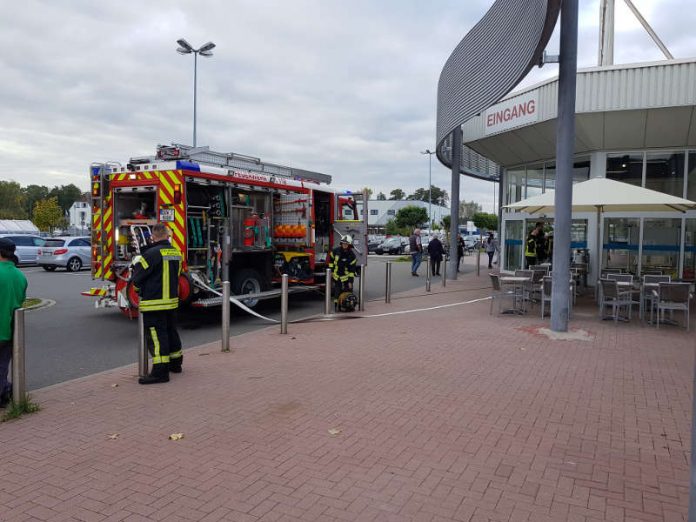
{"points": [[343, 263], [156, 276], [530, 249]]}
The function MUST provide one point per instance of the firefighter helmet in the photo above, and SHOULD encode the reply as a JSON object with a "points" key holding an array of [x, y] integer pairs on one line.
{"points": [[347, 239]]}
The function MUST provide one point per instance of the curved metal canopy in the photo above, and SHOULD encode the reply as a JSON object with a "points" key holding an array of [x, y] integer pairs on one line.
{"points": [[489, 62]]}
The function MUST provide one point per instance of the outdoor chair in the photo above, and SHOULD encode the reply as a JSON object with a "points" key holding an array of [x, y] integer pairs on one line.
{"points": [[647, 296], [614, 297], [500, 292], [673, 296], [603, 273], [527, 288], [546, 288]]}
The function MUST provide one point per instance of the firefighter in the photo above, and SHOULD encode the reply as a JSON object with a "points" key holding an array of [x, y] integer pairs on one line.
{"points": [[343, 264], [156, 276], [530, 248]]}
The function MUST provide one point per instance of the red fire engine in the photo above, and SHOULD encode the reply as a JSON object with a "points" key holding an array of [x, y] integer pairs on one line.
{"points": [[277, 220]]}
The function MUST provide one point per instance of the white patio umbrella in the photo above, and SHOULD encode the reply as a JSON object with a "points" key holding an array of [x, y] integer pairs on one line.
{"points": [[606, 195]]}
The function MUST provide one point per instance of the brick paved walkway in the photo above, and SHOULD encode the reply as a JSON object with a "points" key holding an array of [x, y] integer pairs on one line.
{"points": [[446, 414]]}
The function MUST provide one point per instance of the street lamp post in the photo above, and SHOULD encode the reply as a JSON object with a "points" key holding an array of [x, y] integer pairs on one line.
{"points": [[204, 50], [430, 185]]}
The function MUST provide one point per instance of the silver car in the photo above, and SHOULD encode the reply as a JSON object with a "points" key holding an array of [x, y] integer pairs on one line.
{"points": [[27, 245], [71, 253]]}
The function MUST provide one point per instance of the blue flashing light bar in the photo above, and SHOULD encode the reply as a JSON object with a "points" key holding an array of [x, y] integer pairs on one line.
{"points": [[188, 165]]}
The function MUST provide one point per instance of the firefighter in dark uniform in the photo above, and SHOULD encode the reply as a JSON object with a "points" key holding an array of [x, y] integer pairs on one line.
{"points": [[343, 264], [156, 276], [530, 248]]}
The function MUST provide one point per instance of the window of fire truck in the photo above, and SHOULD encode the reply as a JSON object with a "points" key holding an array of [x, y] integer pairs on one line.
{"points": [[135, 214]]}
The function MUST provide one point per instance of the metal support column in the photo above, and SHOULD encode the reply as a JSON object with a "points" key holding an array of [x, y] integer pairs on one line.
{"points": [[225, 316], [565, 147], [478, 260], [327, 293], [361, 287], [143, 360], [692, 485], [444, 272], [19, 382], [284, 304], [387, 290], [454, 199]]}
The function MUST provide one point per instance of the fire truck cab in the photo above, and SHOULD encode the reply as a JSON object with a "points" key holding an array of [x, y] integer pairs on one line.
{"points": [[231, 216]]}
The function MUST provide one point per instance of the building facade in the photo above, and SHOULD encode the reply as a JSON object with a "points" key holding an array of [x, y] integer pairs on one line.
{"points": [[381, 211], [635, 124]]}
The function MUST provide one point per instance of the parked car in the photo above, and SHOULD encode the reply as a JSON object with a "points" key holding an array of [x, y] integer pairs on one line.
{"points": [[71, 253], [373, 242], [392, 245], [27, 247]]}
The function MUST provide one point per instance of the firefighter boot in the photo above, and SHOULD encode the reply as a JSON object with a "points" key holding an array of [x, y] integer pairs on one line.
{"points": [[175, 364], [160, 373]]}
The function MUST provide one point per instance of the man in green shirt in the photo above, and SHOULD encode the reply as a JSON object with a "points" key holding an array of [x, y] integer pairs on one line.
{"points": [[13, 291]]}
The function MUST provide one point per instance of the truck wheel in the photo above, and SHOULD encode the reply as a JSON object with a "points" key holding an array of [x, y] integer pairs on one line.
{"points": [[74, 264], [247, 281]]}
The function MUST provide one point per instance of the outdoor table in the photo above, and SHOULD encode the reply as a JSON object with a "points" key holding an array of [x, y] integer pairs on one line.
{"points": [[517, 283], [646, 289]]}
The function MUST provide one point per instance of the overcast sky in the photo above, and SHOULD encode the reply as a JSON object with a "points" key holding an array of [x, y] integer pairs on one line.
{"points": [[347, 88]]}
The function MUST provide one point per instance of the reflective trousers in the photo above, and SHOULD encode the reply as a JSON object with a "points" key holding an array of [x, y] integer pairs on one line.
{"points": [[162, 339]]}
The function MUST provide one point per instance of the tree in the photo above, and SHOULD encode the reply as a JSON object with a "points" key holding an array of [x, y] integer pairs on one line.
{"points": [[381, 197], [485, 221], [66, 195], [397, 195], [32, 194], [411, 216], [467, 209], [47, 214], [11, 201], [446, 222], [368, 191], [438, 196]]}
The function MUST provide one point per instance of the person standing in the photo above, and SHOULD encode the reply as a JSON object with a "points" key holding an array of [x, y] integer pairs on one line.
{"points": [[436, 252], [491, 245], [343, 263], [541, 243], [460, 250], [416, 248], [530, 248], [13, 292], [156, 276]]}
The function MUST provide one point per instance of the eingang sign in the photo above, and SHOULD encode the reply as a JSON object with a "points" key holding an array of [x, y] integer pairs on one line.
{"points": [[509, 114]]}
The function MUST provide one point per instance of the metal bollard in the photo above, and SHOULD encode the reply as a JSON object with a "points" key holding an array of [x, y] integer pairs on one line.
{"points": [[478, 261], [427, 274], [225, 316], [327, 296], [361, 287], [142, 348], [284, 304], [444, 272], [387, 291], [19, 382]]}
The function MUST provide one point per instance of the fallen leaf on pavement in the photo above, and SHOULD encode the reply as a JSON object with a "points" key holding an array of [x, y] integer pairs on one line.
{"points": [[114, 385], [334, 431], [113, 436], [176, 436]]}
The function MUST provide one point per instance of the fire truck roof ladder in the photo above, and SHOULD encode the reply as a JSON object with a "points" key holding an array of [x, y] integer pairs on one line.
{"points": [[206, 156]]}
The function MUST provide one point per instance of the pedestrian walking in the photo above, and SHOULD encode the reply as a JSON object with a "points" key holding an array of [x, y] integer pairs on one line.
{"points": [[530, 249], [436, 252], [156, 276], [492, 248], [13, 292], [416, 246]]}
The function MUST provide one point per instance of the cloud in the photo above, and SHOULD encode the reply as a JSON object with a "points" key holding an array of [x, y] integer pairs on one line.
{"points": [[345, 88]]}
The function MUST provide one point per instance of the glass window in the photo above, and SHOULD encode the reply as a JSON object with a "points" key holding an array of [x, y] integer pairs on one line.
{"points": [[550, 174], [625, 167], [391, 212], [55, 242], [661, 244], [581, 170], [38, 241], [374, 212], [620, 249], [664, 172], [513, 244], [691, 180], [22, 241], [690, 251], [535, 180], [515, 186]]}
